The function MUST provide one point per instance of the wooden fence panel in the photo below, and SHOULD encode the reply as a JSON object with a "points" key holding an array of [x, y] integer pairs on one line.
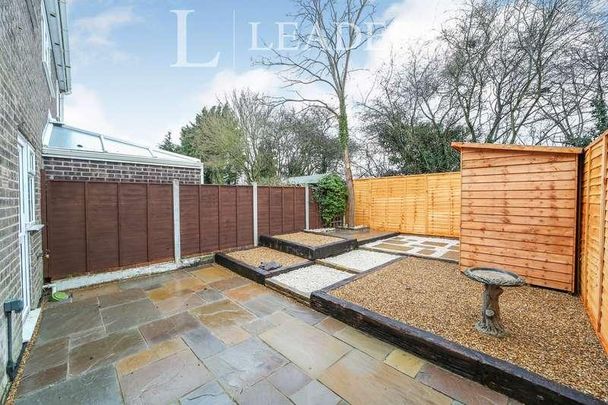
{"points": [[132, 223], [160, 222], [244, 216], [227, 214], [100, 226], [264, 210], [189, 219], [209, 218], [594, 237], [419, 204], [66, 229], [275, 211]]}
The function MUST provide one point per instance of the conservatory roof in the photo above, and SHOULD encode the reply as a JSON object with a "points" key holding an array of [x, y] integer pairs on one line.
{"points": [[68, 142]]}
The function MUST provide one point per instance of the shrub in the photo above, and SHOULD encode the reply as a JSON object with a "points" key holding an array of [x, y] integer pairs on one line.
{"points": [[332, 195]]}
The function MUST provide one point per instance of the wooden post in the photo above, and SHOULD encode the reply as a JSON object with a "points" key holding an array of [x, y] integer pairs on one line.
{"points": [[255, 214], [176, 223]]}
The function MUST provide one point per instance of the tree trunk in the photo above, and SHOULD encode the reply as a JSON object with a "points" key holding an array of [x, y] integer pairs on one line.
{"points": [[490, 322], [348, 174]]}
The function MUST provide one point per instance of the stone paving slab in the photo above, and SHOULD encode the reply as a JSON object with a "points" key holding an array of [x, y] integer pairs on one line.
{"points": [[241, 344], [423, 246]]}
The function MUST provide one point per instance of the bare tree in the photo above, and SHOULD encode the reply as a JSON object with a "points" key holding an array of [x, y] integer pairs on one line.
{"points": [[329, 33]]}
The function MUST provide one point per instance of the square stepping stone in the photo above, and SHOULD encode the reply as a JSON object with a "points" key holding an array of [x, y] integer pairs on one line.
{"points": [[306, 346], [452, 255], [359, 260], [308, 279], [358, 378], [393, 247]]}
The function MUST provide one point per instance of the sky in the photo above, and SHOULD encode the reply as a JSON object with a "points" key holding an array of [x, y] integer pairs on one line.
{"points": [[124, 53]]}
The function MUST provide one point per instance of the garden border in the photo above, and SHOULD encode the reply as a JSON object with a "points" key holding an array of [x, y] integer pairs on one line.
{"points": [[309, 252], [253, 273], [497, 374]]}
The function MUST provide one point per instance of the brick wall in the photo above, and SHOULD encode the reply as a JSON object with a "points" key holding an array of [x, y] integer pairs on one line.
{"points": [[95, 170], [25, 102]]}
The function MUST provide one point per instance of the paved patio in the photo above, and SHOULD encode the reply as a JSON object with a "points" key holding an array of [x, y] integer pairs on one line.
{"points": [[422, 246], [208, 336]]}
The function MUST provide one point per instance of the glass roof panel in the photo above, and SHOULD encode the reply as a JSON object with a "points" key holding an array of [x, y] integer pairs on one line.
{"points": [[125, 148], [67, 138]]}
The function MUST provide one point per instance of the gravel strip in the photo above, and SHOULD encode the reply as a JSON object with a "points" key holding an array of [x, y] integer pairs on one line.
{"points": [[308, 239], [360, 260], [311, 278], [550, 333], [254, 257]]}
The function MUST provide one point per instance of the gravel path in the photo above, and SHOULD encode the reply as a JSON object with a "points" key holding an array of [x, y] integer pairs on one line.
{"points": [[308, 239], [549, 332], [255, 256], [360, 260], [311, 278]]}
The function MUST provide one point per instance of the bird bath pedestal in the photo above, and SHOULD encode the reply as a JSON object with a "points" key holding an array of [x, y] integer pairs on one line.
{"points": [[493, 281]]}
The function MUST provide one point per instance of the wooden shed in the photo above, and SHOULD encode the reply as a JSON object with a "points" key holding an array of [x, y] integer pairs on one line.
{"points": [[519, 210]]}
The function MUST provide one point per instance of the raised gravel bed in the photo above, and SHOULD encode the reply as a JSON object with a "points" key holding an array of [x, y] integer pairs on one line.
{"points": [[363, 235], [302, 282], [247, 262], [359, 260], [551, 354], [308, 245]]}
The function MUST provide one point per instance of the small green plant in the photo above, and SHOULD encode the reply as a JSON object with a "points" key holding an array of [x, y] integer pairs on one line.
{"points": [[332, 195]]}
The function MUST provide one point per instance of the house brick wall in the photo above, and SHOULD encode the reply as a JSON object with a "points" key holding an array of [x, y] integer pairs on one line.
{"points": [[96, 170], [25, 102]]}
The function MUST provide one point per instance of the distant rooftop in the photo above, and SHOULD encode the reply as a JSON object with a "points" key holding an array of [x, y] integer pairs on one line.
{"points": [[68, 142], [312, 179]]}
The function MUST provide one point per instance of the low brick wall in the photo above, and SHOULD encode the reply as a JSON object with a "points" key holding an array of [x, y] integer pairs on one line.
{"points": [[97, 170]]}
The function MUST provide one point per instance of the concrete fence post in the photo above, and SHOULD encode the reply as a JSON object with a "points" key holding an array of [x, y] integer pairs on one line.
{"points": [[255, 214], [177, 245], [307, 204]]}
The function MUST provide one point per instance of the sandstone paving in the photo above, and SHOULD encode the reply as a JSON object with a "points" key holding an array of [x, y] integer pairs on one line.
{"points": [[172, 338]]}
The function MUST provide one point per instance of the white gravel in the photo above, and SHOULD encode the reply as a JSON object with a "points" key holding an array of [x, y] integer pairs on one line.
{"points": [[311, 278], [360, 260]]}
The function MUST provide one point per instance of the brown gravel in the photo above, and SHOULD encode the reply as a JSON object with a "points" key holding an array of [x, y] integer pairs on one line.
{"points": [[550, 333], [254, 257], [308, 239]]}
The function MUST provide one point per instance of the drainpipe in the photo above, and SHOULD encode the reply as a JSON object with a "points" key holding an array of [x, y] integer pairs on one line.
{"points": [[10, 307]]}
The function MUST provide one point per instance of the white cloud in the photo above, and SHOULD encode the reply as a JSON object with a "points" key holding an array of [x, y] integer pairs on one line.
{"points": [[92, 37], [84, 109], [223, 83]]}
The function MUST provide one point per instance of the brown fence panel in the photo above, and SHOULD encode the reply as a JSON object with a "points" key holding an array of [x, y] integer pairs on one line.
{"points": [[275, 210], [227, 214], [102, 226], [209, 217], [288, 209], [264, 210], [189, 219], [99, 226], [160, 222], [299, 214], [132, 223], [593, 245], [66, 229], [244, 215]]}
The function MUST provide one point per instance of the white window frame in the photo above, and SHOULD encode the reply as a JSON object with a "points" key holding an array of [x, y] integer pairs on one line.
{"points": [[47, 48]]}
